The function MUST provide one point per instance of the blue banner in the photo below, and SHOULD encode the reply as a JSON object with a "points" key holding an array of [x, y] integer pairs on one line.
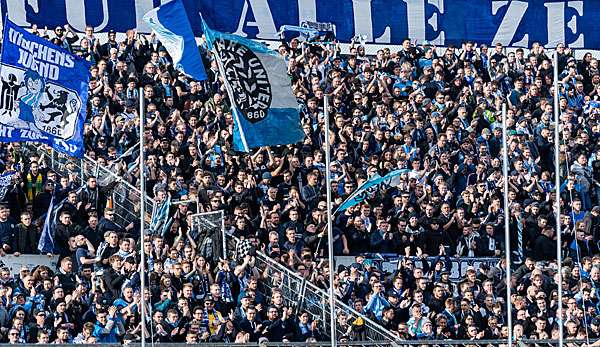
{"points": [[6, 180], [46, 242], [514, 23], [175, 33], [371, 187], [44, 92], [265, 111]]}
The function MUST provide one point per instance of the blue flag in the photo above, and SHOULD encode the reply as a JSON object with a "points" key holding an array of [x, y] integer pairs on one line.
{"points": [[160, 217], [265, 111], [46, 242], [173, 28], [6, 180], [370, 187], [44, 92]]}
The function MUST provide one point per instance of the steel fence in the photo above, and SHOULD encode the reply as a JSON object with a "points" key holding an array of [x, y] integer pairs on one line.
{"points": [[440, 343], [124, 197], [301, 294], [391, 262]]}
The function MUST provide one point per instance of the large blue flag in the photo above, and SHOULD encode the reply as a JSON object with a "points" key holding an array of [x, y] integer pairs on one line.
{"points": [[371, 186], [265, 112], [173, 28], [44, 92], [46, 242]]}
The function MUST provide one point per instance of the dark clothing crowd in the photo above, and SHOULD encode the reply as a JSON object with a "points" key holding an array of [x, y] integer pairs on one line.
{"points": [[436, 112]]}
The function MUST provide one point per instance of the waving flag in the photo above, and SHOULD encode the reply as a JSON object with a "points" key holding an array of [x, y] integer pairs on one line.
{"points": [[174, 31], [6, 180], [43, 92], [371, 186], [46, 242], [160, 217], [265, 111]]}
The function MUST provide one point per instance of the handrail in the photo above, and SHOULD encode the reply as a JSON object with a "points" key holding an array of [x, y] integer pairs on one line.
{"points": [[121, 193], [374, 325]]}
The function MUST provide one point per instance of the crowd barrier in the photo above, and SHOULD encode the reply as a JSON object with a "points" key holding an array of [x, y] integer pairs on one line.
{"points": [[398, 343], [124, 197], [302, 294], [391, 262]]}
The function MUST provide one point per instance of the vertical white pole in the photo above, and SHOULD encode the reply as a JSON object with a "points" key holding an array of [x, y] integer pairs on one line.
{"points": [[224, 234], [142, 212], [329, 223], [557, 179], [82, 170], [506, 225]]}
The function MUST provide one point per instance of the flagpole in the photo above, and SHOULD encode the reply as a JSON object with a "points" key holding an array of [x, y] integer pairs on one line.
{"points": [[506, 225], [557, 182], [142, 212], [329, 224]]}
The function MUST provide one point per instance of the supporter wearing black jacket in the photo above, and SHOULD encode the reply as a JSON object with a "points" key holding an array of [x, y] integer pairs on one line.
{"points": [[26, 235], [112, 276], [65, 229], [544, 247]]}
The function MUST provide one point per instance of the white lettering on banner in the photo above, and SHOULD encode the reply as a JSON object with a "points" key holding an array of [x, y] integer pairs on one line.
{"points": [[307, 11], [141, 8], [556, 23], [32, 135], [572, 24], [508, 27], [17, 11], [45, 70], [415, 10], [433, 21], [69, 148], [263, 20], [6, 131], [363, 24], [76, 14]]}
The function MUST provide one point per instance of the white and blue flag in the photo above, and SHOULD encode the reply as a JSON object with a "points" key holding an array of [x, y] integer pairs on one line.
{"points": [[370, 187], [6, 180], [44, 91], [174, 31], [46, 242], [265, 112]]}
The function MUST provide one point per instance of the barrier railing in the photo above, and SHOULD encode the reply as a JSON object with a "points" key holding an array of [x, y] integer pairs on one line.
{"points": [[390, 262], [304, 295], [124, 196], [444, 343]]}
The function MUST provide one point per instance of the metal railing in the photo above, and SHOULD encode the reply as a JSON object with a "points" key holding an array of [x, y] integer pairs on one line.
{"points": [[444, 343], [391, 262], [302, 294], [124, 196]]}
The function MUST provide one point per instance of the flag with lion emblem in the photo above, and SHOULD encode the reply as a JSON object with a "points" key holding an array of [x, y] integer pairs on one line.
{"points": [[43, 92], [265, 112]]}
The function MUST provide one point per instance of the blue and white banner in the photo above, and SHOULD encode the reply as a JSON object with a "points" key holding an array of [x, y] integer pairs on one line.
{"points": [[175, 33], [265, 111], [371, 187], [514, 23], [46, 242], [6, 180], [44, 92]]}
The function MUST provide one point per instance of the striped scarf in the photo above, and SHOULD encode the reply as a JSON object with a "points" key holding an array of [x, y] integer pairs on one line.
{"points": [[31, 190], [224, 278], [206, 318], [32, 100]]}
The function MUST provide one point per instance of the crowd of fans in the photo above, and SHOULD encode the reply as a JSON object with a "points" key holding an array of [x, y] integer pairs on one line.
{"points": [[434, 111]]}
